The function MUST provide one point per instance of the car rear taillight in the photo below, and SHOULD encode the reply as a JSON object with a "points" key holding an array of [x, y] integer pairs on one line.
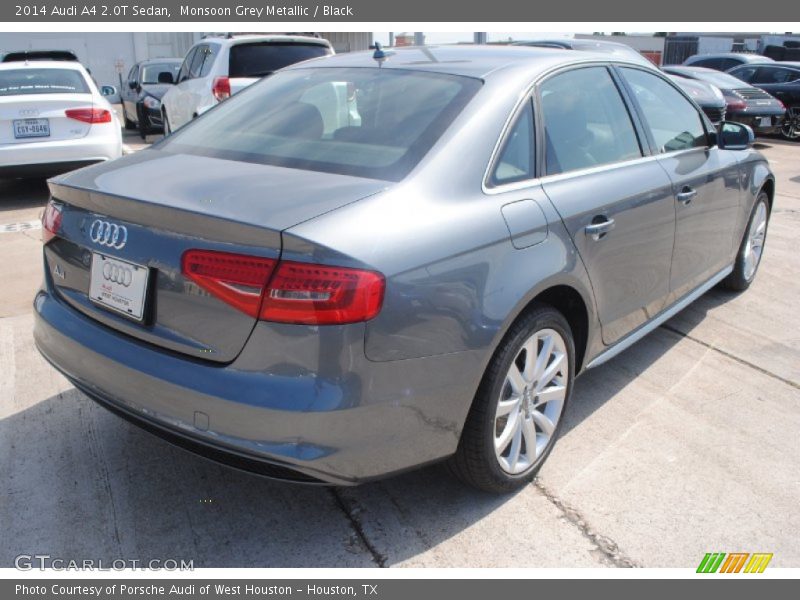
{"points": [[286, 291], [236, 279], [221, 88], [89, 115], [322, 295], [51, 221], [735, 102]]}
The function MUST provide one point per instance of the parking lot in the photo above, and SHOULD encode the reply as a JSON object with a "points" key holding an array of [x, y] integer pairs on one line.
{"points": [[686, 443]]}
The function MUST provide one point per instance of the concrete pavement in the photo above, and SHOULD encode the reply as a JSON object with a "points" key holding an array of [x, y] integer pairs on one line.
{"points": [[684, 444]]}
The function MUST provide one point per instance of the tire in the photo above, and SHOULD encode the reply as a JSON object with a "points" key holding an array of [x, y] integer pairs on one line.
{"points": [[129, 125], [751, 247], [167, 128], [790, 129], [485, 455], [144, 128]]}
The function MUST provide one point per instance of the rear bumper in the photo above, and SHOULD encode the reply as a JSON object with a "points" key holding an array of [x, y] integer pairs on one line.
{"points": [[344, 421], [754, 121], [50, 155]]}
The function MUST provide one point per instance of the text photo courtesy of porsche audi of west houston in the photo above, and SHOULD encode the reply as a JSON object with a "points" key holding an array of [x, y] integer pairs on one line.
{"points": [[294, 289]]}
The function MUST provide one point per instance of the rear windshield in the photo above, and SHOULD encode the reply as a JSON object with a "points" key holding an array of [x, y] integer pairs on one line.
{"points": [[42, 81], [375, 123], [258, 60], [150, 72]]}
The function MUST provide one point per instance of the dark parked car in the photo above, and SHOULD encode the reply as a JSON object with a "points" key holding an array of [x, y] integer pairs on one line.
{"points": [[781, 80], [362, 264], [707, 96], [141, 94], [745, 103], [724, 60]]}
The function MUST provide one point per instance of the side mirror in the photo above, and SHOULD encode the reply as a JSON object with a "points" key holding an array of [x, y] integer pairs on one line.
{"points": [[735, 136], [166, 77], [133, 85], [108, 90]]}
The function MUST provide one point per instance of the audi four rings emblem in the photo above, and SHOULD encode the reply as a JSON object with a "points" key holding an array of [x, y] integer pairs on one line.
{"points": [[108, 234], [118, 274]]}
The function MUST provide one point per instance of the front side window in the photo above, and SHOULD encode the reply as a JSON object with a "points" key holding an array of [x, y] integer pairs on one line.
{"points": [[42, 81], [745, 73], [515, 161], [151, 72], [363, 122], [674, 122], [775, 75], [586, 123]]}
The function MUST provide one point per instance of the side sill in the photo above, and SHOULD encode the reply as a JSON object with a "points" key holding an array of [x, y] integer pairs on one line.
{"points": [[663, 316]]}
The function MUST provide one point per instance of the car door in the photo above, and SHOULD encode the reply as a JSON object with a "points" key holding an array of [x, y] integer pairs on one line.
{"points": [[196, 87], [615, 201], [129, 93], [178, 109], [782, 82], [705, 179]]}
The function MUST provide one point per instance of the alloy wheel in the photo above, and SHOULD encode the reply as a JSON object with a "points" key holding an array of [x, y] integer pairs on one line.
{"points": [[755, 241], [531, 401], [791, 125]]}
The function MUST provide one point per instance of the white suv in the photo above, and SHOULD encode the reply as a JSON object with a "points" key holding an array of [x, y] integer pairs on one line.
{"points": [[217, 67]]}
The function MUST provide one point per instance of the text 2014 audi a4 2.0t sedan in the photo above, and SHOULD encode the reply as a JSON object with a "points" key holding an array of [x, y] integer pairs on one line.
{"points": [[367, 263]]}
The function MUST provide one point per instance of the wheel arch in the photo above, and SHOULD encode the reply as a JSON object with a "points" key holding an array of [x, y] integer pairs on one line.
{"points": [[572, 300]]}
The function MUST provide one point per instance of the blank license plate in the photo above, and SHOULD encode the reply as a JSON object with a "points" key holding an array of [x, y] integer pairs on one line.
{"points": [[118, 285], [765, 122], [28, 128]]}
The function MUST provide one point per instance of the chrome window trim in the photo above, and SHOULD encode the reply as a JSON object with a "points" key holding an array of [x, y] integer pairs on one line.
{"points": [[528, 94]]}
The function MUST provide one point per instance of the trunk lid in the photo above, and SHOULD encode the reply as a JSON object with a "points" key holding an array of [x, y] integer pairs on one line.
{"points": [[168, 204], [39, 110]]}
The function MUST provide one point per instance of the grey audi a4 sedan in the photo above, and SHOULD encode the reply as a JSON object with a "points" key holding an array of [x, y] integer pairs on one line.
{"points": [[370, 262]]}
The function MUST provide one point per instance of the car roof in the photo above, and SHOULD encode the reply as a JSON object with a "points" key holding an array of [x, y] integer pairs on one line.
{"points": [[743, 55], [151, 61], [478, 61], [689, 69], [589, 45], [247, 38], [44, 64]]}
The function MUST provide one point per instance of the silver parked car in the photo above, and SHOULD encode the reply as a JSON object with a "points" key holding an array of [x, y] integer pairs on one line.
{"points": [[370, 262]]}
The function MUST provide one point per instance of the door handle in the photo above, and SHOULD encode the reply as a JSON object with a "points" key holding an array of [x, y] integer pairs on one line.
{"points": [[598, 229], [686, 195]]}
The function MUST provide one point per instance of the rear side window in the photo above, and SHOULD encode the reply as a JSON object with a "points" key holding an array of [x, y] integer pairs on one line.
{"points": [[197, 61], [42, 81], [710, 63], [365, 122], [515, 161], [586, 123], [674, 122], [259, 60], [775, 75], [210, 55], [187, 61]]}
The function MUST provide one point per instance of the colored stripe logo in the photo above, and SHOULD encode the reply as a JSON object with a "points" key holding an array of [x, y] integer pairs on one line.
{"points": [[734, 562]]}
